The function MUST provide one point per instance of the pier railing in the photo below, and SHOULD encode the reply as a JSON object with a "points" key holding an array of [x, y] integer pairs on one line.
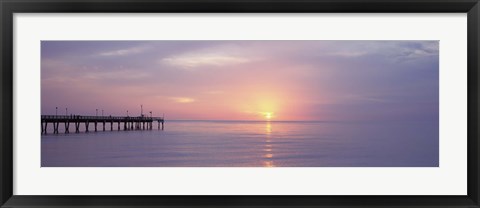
{"points": [[101, 118]]}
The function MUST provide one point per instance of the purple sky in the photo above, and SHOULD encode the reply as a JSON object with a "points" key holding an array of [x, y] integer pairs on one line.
{"points": [[243, 80]]}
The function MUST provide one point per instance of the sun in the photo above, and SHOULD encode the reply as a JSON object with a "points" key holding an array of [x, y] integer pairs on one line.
{"points": [[268, 115]]}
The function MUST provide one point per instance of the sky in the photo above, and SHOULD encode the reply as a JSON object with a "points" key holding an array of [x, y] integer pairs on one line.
{"points": [[243, 80]]}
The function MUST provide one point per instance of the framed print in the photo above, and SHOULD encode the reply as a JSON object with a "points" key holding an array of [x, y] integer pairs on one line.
{"points": [[245, 104]]}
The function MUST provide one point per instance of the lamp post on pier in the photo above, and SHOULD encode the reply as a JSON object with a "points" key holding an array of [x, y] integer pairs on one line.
{"points": [[66, 111], [96, 112], [56, 111], [127, 113], [102, 112]]}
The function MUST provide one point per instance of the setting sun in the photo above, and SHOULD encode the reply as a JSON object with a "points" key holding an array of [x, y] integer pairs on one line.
{"points": [[268, 115]]}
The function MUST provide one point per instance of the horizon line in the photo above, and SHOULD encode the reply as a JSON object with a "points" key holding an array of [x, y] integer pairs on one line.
{"points": [[248, 120]]}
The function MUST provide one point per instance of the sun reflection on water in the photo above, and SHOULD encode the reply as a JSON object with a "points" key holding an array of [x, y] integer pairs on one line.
{"points": [[268, 129], [268, 164], [268, 148]]}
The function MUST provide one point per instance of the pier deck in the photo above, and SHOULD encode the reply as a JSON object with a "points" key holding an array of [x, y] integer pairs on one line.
{"points": [[129, 122]]}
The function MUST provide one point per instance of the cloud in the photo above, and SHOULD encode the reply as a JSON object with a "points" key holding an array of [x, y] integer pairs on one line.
{"points": [[214, 92], [197, 60], [124, 52], [414, 50], [182, 99], [397, 51], [364, 98], [348, 53], [115, 75]]}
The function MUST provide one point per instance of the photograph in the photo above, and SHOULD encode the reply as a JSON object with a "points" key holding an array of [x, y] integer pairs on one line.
{"points": [[239, 103]]}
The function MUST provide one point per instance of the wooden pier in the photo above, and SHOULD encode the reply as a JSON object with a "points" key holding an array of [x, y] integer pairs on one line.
{"points": [[129, 123]]}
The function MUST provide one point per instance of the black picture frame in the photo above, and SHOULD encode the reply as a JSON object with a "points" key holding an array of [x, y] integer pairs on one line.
{"points": [[9, 7]]}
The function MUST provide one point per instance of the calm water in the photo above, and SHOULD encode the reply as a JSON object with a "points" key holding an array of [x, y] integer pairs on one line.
{"points": [[249, 144]]}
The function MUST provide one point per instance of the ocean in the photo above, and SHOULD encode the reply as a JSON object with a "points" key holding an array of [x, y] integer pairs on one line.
{"points": [[248, 144]]}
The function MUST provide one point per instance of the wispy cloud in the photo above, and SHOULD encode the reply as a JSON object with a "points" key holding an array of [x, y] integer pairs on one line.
{"points": [[397, 51], [115, 75], [363, 98], [182, 99], [194, 60], [214, 92], [409, 51], [124, 52], [348, 53]]}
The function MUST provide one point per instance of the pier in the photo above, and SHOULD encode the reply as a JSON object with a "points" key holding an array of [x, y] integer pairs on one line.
{"points": [[129, 123]]}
